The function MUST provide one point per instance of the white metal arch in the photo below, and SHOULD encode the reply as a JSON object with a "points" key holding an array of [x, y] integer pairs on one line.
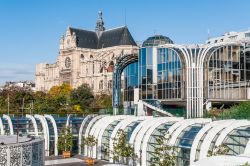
{"points": [[7, 117], [33, 120], [149, 133], [138, 129], [138, 140], [68, 118], [96, 129], [210, 136], [96, 132], [188, 122], [198, 137], [122, 125], [90, 125], [52, 120], [1, 127], [45, 132], [81, 132], [224, 133], [102, 129]]}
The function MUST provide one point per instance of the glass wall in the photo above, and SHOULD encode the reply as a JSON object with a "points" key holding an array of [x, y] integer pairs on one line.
{"points": [[160, 131], [184, 143], [130, 81], [169, 76], [237, 140], [160, 74], [106, 139], [228, 73]]}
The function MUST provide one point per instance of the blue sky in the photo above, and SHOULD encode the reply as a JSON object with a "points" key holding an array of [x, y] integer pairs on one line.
{"points": [[30, 29]]}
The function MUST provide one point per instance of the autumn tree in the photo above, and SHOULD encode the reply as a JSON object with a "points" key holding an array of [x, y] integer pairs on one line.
{"points": [[59, 96], [82, 96]]}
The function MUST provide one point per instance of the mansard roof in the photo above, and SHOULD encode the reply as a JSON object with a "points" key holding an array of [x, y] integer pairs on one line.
{"points": [[109, 38]]}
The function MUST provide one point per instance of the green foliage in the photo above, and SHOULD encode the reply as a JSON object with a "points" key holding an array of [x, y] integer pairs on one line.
{"points": [[122, 150], [246, 164], [218, 150], [103, 101], [89, 141], [16, 95], [59, 99], [65, 140], [82, 96], [240, 111], [164, 153]]}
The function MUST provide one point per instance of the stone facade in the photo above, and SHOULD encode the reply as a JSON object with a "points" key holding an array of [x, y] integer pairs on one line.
{"points": [[86, 57]]}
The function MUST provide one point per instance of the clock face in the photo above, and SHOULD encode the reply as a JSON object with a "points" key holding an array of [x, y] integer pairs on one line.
{"points": [[67, 62]]}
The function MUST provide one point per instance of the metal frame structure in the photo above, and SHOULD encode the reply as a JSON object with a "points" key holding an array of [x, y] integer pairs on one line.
{"points": [[143, 130], [194, 59], [121, 63]]}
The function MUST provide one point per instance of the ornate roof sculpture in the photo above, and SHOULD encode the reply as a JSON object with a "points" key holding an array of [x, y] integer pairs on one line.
{"points": [[100, 38]]}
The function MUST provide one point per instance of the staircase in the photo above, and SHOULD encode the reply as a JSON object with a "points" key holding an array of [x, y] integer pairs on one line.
{"points": [[156, 106]]}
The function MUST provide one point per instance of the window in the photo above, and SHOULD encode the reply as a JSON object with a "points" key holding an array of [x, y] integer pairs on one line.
{"points": [[110, 84], [101, 84], [82, 57], [247, 34]]}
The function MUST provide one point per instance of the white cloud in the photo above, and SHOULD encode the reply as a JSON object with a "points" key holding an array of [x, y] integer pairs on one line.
{"points": [[16, 72]]}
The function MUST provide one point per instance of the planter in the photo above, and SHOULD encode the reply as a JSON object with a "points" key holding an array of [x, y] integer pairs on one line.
{"points": [[66, 154], [90, 161]]}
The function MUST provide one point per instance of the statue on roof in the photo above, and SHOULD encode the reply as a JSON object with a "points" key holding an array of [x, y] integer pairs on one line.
{"points": [[100, 24]]}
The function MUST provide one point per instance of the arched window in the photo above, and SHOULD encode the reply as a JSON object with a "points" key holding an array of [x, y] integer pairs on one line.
{"points": [[82, 57], [110, 84], [227, 73], [110, 67], [101, 84]]}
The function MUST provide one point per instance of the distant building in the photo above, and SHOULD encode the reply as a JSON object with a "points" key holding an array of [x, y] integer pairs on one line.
{"points": [[87, 57], [231, 36], [22, 84]]}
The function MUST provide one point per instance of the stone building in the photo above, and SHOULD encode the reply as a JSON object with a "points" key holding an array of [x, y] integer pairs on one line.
{"points": [[87, 57]]}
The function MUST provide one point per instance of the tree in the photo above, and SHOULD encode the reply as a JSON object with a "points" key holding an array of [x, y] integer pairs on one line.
{"points": [[16, 96], [103, 101], [59, 97], [90, 142], [122, 150], [218, 150], [65, 140], [165, 155], [82, 96]]}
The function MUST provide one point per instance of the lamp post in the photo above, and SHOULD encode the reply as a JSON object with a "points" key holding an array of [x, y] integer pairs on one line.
{"points": [[18, 110]]}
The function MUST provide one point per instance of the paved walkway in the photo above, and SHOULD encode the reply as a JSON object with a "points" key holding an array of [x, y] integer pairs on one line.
{"points": [[74, 161], [65, 161]]}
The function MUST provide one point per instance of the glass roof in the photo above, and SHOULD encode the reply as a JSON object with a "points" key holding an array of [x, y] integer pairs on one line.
{"points": [[157, 40]]}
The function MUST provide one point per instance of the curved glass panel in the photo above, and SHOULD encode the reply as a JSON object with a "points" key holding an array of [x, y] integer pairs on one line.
{"points": [[237, 140], [152, 143], [106, 139], [228, 73]]}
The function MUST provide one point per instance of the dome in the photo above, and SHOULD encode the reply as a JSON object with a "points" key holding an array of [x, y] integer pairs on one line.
{"points": [[156, 41]]}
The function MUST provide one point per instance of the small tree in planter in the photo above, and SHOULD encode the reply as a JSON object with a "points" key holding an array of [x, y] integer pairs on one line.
{"points": [[122, 151], [90, 142], [218, 150], [65, 142], [165, 155]]}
